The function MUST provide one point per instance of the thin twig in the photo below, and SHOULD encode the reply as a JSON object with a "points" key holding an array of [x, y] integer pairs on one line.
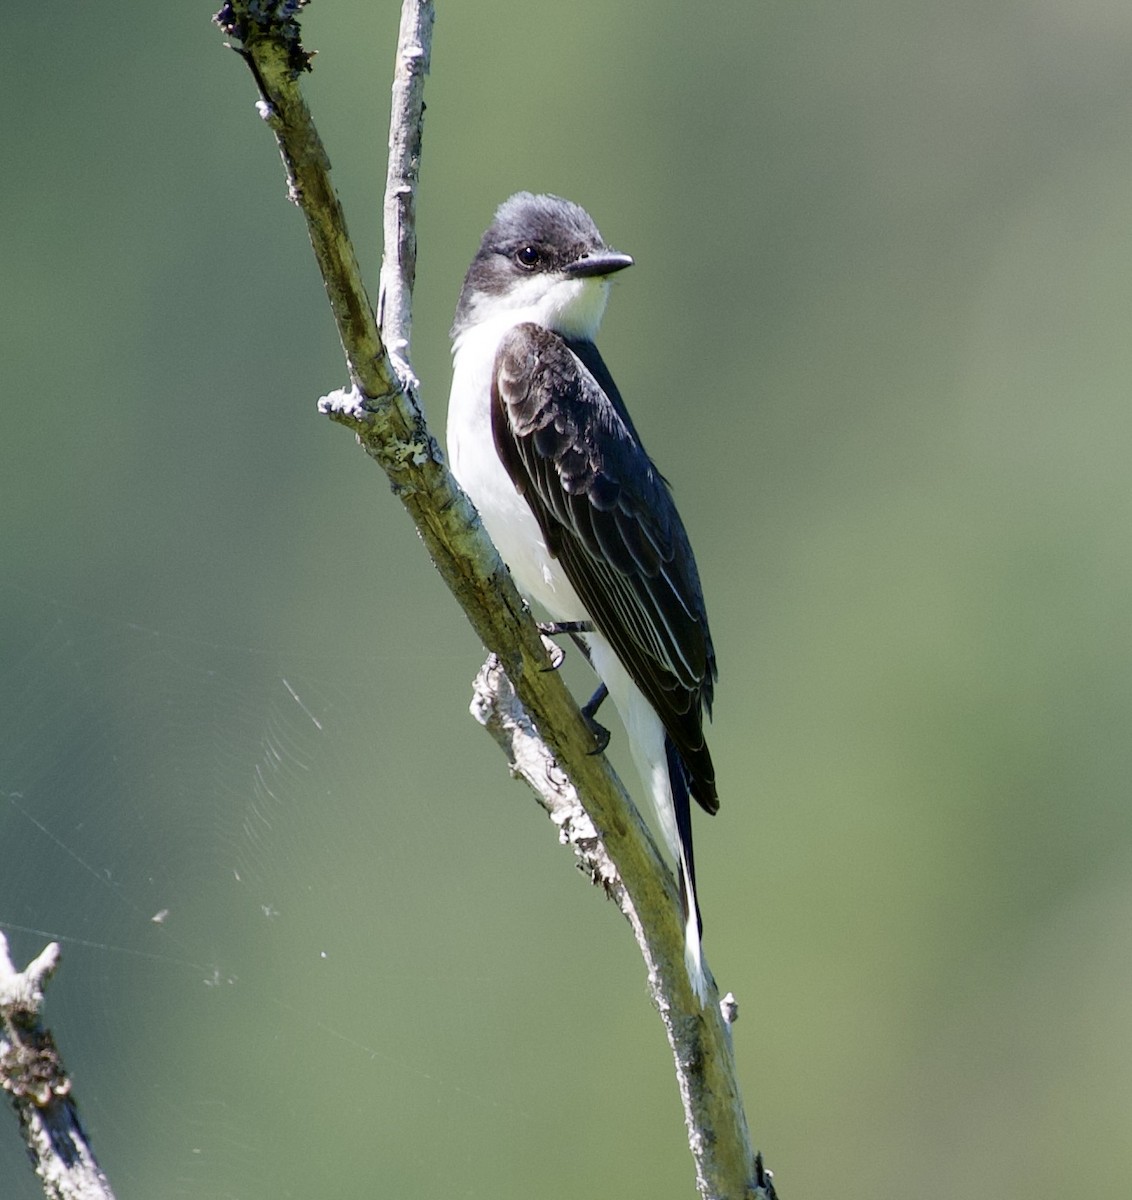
{"points": [[406, 126], [382, 408]]}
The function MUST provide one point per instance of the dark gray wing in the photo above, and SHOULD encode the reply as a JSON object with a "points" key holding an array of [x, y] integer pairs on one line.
{"points": [[567, 443]]}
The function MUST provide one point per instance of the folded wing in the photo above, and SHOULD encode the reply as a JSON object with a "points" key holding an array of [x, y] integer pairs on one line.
{"points": [[565, 438]]}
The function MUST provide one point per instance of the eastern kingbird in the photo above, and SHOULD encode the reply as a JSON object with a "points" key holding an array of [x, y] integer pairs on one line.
{"points": [[540, 439]]}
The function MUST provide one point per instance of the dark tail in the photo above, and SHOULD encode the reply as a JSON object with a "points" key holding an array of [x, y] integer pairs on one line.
{"points": [[686, 870], [682, 804]]}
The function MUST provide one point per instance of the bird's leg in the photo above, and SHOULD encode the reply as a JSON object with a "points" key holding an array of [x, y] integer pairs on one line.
{"points": [[601, 734], [554, 628], [575, 629], [551, 629]]}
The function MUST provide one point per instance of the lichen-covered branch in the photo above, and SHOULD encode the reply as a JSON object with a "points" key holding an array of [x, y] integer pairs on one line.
{"points": [[40, 1090], [538, 723]]}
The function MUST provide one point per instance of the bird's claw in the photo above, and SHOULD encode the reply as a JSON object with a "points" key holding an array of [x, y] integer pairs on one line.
{"points": [[601, 734], [552, 629], [554, 652]]}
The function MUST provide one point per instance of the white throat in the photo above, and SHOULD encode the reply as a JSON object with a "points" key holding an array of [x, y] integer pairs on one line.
{"points": [[571, 307]]}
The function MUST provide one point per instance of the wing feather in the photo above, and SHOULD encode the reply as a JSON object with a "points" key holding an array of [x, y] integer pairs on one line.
{"points": [[569, 446]]}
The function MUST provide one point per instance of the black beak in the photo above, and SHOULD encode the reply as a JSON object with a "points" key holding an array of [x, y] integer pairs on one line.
{"points": [[603, 263]]}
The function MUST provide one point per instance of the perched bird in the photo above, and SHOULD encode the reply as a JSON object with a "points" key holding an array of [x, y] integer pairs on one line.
{"points": [[540, 439]]}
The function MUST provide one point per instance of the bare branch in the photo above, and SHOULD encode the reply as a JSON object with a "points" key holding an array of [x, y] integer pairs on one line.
{"points": [[577, 787], [32, 1074], [406, 119]]}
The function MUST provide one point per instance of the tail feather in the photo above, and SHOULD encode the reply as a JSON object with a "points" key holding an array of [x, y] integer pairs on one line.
{"points": [[668, 781], [686, 873]]}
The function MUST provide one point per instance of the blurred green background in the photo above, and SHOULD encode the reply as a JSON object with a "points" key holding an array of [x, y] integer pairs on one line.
{"points": [[877, 337]]}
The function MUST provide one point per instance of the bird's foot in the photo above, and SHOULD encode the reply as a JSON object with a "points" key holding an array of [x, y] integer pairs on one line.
{"points": [[554, 652], [552, 629], [601, 734]]}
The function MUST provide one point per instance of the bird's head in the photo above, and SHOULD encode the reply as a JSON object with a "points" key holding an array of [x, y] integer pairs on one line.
{"points": [[541, 260]]}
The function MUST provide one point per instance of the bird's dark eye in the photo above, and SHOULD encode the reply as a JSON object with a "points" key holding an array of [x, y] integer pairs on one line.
{"points": [[528, 257]]}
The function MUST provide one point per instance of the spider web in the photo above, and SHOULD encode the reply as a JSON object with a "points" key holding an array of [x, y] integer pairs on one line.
{"points": [[225, 858]]}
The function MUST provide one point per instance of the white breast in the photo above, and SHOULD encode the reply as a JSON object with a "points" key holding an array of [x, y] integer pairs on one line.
{"points": [[472, 457]]}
